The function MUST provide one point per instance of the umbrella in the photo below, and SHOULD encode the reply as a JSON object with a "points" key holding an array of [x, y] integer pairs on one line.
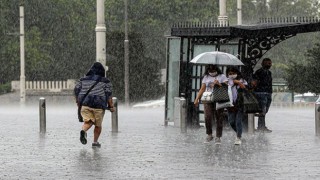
{"points": [[217, 58]]}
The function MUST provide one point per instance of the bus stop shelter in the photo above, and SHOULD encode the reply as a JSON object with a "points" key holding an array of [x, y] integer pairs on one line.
{"points": [[248, 42]]}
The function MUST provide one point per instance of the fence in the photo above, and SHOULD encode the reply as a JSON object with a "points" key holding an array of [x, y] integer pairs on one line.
{"points": [[51, 86], [292, 105]]}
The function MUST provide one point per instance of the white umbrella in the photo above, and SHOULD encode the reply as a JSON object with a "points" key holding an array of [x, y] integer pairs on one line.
{"points": [[217, 58]]}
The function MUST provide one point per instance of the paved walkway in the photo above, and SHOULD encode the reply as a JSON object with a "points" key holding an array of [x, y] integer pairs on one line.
{"points": [[145, 149]]}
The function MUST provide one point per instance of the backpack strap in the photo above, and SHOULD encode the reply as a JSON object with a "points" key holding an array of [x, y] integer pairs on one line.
{"points": [[89, 91], [80, 104]]}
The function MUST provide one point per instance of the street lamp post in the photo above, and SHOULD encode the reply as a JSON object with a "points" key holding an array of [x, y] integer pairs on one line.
{"points": [[101, 34], [126, 55], [239, 12], [22, 54], [223, 18]]}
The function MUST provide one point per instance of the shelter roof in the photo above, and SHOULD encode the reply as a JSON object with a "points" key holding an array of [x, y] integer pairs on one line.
{"points": [[265, 27]]}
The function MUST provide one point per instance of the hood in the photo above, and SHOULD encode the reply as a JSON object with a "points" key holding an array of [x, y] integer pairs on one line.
{"points": [[96, 69]]}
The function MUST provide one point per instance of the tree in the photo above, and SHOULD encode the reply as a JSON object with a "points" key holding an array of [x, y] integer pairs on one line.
{"points": [[291, 50], [303, 78], [9, 41], [289, 8], [144, 77], [60, 36], [67, 28]]}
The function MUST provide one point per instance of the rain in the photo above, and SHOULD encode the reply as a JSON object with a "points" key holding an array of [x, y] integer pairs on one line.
{"points": [[146, 48]]}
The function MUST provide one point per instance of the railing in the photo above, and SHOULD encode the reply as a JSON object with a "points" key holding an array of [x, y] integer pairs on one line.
{"points": [[45, 85], [292, 105], [289, 20], [38, 85], [273, 20], [209, 24]]}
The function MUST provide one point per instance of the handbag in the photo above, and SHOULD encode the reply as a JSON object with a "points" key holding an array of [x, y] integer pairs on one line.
{"points": [[220, 93], [207, 97], [249, 102], [220, 105], [80, 104]]}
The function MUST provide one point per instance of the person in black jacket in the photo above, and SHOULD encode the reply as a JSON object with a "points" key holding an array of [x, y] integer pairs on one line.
{"points": [[262, 83], [95, 103]]}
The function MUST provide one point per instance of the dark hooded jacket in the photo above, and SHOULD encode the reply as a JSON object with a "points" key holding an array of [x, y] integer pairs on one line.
{"points": [[99, 95]]}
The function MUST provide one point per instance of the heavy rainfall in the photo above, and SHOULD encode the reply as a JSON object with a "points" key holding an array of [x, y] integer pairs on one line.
{"points": [[154, 129]]}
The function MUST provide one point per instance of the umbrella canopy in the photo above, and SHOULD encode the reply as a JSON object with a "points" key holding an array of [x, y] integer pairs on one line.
{"points": [[217, 58]]}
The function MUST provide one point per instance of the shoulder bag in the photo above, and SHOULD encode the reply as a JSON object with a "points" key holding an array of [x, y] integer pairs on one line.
{"points": [[207, 97], [228, 104], [249, 102], [220, 93]]}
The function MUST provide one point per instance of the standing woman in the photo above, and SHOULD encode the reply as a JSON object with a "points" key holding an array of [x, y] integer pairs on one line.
{"points": [[212, 77], [235, 113]]}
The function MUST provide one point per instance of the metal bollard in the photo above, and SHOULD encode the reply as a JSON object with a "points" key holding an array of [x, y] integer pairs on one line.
{"points": [[42, 115], [176, 112], [250, 123], [317, 118], [114, 115], [183, 111]]}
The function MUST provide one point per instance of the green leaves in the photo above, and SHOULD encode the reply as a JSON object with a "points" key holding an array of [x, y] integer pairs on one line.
{"points": [[303, 78], [144, 77], [60, 38]]}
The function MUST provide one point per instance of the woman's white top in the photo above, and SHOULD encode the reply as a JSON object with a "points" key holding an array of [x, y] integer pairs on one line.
{"points": [[207, 80], [234, 88]]}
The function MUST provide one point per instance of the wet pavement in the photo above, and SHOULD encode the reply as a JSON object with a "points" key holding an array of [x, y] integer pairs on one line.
{"points": [[145, 149]]}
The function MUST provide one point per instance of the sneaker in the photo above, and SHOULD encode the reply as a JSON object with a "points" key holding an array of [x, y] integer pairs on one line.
{"points": [[238, 141], [83, 137], [96, 145], [208, 139], [217, 140]]}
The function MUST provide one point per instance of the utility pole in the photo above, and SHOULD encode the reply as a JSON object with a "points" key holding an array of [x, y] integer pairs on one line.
{"points": [[223, 18], [239, 12], [101, 34], [126, 55], [22, 54]]}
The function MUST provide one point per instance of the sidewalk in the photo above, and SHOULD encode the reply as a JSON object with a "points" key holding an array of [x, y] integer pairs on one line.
{"points": [[145, 149]]}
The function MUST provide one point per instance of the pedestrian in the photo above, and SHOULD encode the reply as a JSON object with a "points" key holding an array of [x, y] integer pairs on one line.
{"points": [[213, 76], [95, 103], [235, 113], [262, 84]]}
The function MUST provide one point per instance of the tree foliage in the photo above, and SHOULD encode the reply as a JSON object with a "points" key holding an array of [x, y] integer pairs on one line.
{"points": [[305, 77], [291, 55], [60, 37], [144, 74]]}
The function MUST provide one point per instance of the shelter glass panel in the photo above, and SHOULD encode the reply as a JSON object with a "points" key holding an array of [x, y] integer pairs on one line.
{"points": [[173, 68], [229, 48], [185, 49]]}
